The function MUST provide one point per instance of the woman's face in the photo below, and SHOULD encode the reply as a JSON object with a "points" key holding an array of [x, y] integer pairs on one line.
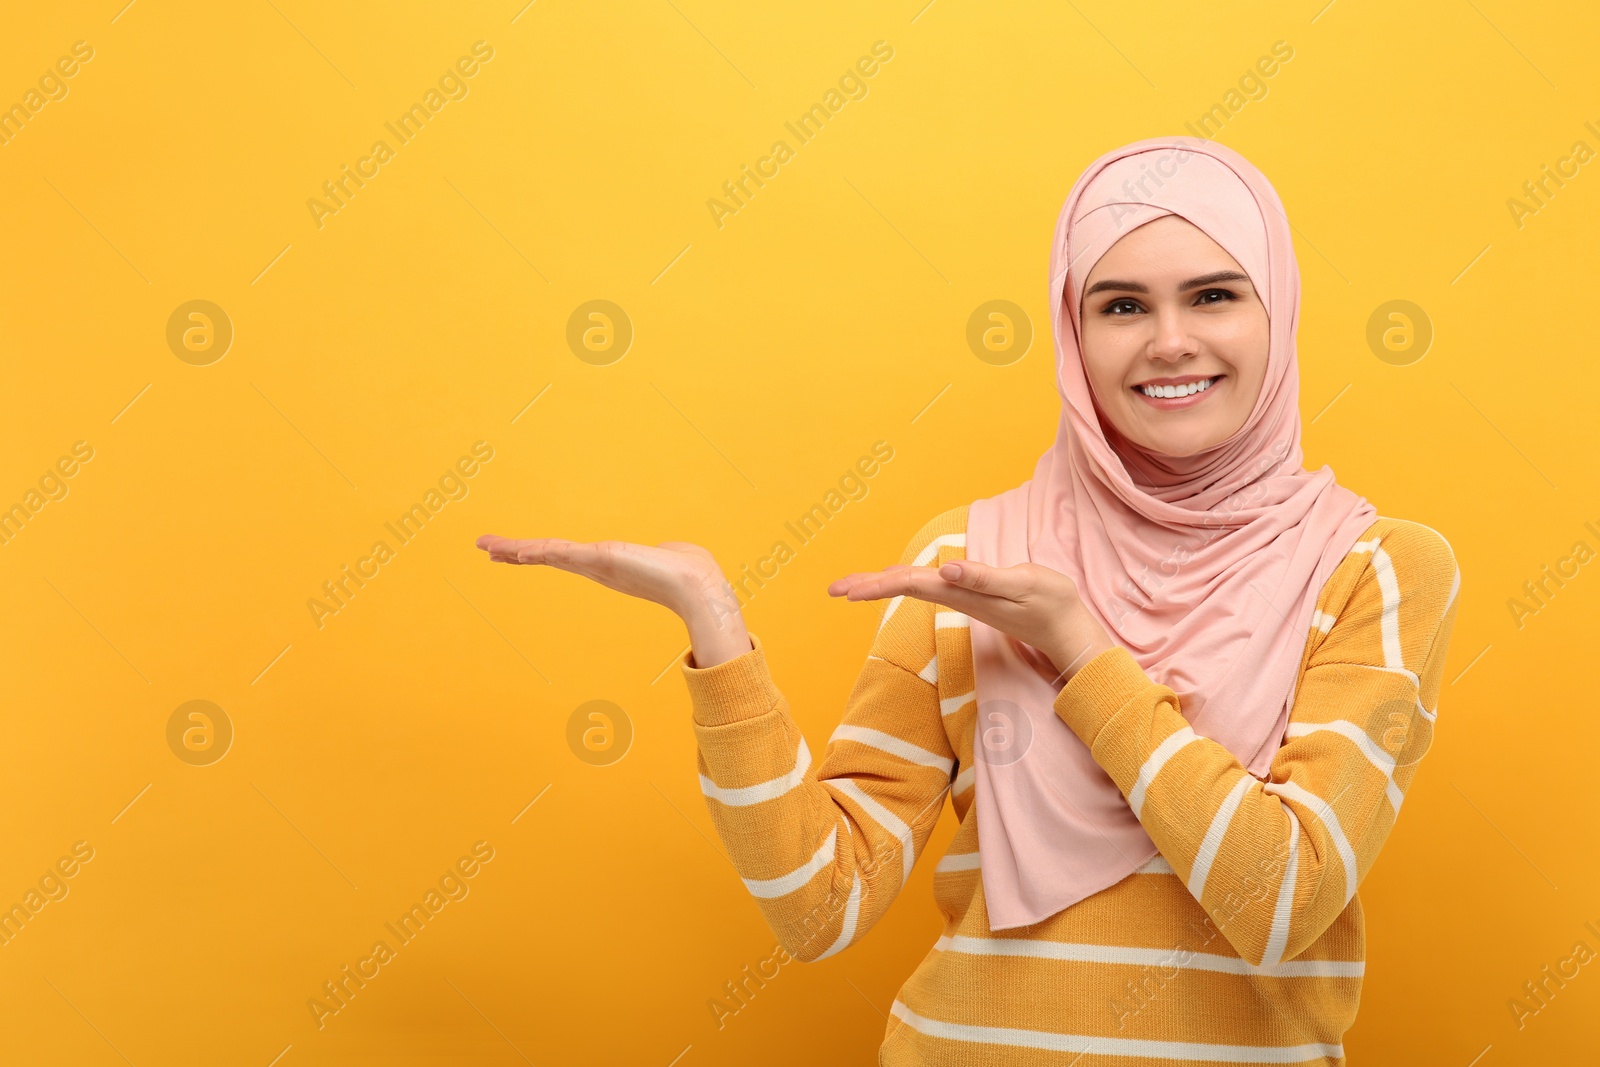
{"points": [[1167, 305]]}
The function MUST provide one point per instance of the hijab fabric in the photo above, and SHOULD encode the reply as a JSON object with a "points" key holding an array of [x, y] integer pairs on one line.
{"points": [[1206, 568]]}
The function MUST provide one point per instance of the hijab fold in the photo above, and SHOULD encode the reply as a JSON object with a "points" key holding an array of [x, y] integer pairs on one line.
{"points": [[1206, 568]]}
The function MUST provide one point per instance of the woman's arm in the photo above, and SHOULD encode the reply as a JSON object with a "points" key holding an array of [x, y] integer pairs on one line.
{"points": [[825, 848], [1275, 862]]}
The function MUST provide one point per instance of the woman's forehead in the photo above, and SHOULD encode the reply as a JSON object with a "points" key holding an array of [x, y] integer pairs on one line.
{"points": [[1151, 186], [1169, 245]]}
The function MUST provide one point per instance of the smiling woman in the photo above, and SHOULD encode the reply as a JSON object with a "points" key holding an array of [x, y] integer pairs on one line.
{"points": [[1175, 686], [1173, 340]]}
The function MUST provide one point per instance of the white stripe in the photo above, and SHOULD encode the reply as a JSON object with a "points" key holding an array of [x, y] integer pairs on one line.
{"points": [[1365, 546], [884, 818], [1145, 957], [951, 620], [1369, 748], [893, 745], [1176, 740], [1403, 672], [1455, 583], [755, 794], [1330, 822], [1455, 587], [1321, 620], [951, 705], [957, 861], [788, 883], [931, 549], [1347, 729], [964, 780], [1157, 864], [922, 559], [888, 611], [1390, 622], [852, 910], [1283, 911], [1214, 835], [930, 673], [1114, 1046]]}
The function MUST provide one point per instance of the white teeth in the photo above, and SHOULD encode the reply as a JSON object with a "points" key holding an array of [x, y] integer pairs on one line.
{"points": [[1173, 391]]}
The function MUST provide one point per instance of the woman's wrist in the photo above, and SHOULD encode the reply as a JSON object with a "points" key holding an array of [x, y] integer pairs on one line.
{"points": [[1070, 659], [1080, 640], [716, 625]]}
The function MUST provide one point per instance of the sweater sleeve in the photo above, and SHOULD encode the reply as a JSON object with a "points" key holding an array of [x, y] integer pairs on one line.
{"points": [[1275, 862], [825, 849]]}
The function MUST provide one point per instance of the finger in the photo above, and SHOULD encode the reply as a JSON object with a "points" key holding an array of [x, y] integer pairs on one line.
{"points": [[491, 542], [500, 549], [841, 586], [1008, 582], [557, 552], [531, 550], [488, 541], [857, 579], [923, 583], [874, 585]]}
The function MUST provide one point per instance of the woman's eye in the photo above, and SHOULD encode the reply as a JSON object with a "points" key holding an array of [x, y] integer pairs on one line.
{"points": [[1224, 293], [1111, 308]]}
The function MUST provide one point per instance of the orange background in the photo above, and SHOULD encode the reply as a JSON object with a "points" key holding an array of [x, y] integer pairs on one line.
{"points": [[431, 311]]}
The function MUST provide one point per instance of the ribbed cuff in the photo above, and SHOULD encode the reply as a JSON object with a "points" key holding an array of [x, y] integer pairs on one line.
{"points": [[732, 691], [1100, 689]]}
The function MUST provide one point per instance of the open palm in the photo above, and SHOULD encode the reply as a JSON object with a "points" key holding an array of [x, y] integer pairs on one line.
{"points": [[671, 574]]}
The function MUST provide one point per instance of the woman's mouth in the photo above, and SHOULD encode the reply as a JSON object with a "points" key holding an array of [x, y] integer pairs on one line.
{"points": [[1172, 397]]}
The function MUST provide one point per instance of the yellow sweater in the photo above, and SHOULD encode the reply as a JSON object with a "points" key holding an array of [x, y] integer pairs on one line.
{"points": [[1241, 942]]}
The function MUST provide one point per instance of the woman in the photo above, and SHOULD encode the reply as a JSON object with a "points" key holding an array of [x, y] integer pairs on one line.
{"points": [[1179, 682]]}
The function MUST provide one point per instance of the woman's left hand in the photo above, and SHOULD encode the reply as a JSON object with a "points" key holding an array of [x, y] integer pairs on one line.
{"points": [[1029, 602]]}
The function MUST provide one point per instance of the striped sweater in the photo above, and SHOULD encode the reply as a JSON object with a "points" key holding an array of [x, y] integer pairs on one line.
{"points": [[1241, 942]]}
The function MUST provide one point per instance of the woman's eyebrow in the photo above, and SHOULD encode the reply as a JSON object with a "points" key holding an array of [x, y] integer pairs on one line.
{"points": [[1192, 283]]}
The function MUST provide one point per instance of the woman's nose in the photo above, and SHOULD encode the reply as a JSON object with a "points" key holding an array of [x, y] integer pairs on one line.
{"points": [[1172, 339]]}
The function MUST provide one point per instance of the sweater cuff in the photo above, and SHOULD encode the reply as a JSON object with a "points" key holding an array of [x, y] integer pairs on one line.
{"points": [[1100, 689], [733, 690]]}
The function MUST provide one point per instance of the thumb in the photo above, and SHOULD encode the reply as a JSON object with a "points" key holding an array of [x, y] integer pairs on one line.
{"points": [[980, 577]]}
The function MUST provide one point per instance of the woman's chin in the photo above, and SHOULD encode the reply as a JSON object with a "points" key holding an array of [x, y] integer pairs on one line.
{"points": [[1178, 445]]}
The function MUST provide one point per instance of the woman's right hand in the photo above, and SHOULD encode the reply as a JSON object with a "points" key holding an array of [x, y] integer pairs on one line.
{"points": [[680, 576]]}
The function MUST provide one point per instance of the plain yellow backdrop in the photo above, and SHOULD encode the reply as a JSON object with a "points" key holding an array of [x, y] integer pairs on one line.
{"points": [[772, 346]]}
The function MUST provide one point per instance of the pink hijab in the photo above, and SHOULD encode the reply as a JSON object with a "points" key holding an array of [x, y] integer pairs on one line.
{"points": [[1205, 568]]}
